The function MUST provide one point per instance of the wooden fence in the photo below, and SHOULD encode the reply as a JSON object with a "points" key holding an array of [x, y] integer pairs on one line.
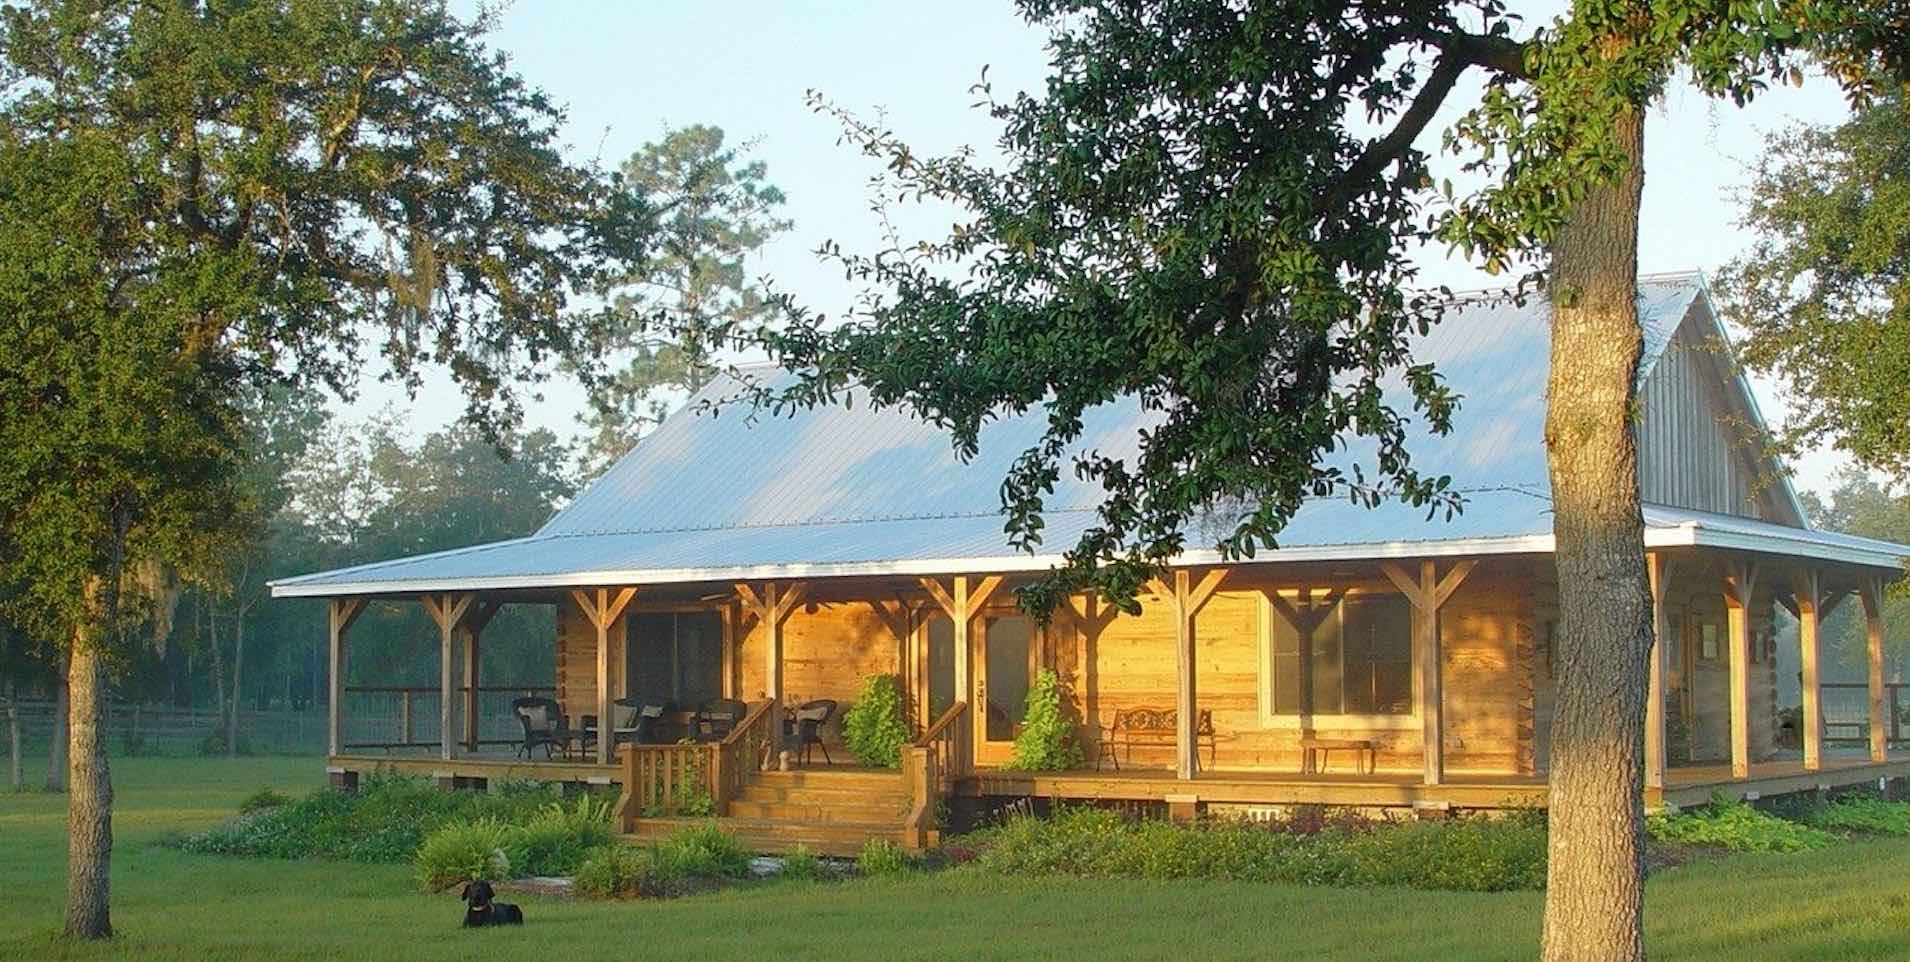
{"points": [[166, 730]]}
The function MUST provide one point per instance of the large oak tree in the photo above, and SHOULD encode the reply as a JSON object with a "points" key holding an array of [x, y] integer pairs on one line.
{"points": [[203, 198], [1210, 207]]}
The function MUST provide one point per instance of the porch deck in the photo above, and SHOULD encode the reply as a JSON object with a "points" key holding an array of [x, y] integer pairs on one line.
{"points": [[1684, 786]]}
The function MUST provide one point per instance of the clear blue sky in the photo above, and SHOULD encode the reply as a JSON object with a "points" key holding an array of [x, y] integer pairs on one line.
{"points": [[628, 70]]}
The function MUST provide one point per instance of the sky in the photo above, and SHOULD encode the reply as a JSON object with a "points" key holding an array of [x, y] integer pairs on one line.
{"points": [[629, 71]]}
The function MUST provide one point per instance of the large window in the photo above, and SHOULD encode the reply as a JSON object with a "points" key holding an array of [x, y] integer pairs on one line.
{"points": [[1357, 660], [676, 655]]}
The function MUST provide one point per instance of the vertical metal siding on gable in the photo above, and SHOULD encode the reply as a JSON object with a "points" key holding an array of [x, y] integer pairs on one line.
{"points": [[1689, 452]]}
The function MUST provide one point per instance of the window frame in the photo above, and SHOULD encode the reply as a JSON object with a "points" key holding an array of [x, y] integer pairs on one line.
{"points": [[1310, 720]]}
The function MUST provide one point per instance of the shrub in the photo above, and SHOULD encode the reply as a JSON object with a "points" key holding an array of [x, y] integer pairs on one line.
{"points": [[1473, 854], [464, 851], [214, 744], [802, 866], [873, 727], [1046, 741], [263, 799], [703, 851], [1738, 827], [1864, 814], [880, 856], [555, 840], [384, 821], [622, 871]]}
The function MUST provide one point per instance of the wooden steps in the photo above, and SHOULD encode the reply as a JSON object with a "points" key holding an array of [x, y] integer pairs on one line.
{"points": [[827, 812]]}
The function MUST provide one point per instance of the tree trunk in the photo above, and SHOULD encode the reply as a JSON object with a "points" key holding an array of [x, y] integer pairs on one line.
{"points": [[16, 780], [1594, 906], [218, 658], [57, 744], [238, 698], [89, 804]]}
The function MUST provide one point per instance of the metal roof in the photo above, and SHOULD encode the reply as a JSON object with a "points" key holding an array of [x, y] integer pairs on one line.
{"points": [[847, 490]]}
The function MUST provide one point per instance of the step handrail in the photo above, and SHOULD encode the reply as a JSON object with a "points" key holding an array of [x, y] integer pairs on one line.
{"points": [[741, 754], [929, 765]]}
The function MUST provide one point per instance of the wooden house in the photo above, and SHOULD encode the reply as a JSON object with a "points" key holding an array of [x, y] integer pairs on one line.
{"points": [[1377, 658]]}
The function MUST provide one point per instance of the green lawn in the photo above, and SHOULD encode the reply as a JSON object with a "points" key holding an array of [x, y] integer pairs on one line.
{"points": [[1850, 902]]}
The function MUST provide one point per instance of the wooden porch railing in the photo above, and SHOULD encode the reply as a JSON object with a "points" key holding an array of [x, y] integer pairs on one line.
{"points": [[929, 767], [403, 722], [692, 778], [741, 754], [663, 780], [1846, 710]]}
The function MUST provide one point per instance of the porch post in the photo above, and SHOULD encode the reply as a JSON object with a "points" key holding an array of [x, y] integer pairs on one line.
{"points": [[447, 610], [1188, 599], [1807, 595], [1655, 690], [342, 611], [473, 627], [602, 609], [962, 601], [1871, 592], [1428, 594], [1740, 583], [771, 607]]}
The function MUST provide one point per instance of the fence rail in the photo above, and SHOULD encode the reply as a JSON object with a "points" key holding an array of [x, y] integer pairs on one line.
{"points": [[381, 717], [135, 729]]}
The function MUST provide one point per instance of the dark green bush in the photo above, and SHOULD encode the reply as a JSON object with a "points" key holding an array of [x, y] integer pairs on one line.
{"points": [[623, 871], [873, 727], [385, 821], [263, 799], [1045, 742], [464, 851], [703, 851], [1738, 827], [803, 866], [882, 857], [1862, 813], [556, 838], [1472, 854]]}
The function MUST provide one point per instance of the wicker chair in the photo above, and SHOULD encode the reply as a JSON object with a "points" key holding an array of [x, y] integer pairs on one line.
{"points": [[543, 723], [716, 719], [805, 725]]}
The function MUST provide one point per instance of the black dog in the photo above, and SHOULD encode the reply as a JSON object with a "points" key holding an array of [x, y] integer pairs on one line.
{"points": [[483, 909]]}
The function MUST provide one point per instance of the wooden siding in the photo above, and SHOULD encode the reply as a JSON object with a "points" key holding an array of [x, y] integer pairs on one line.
{"points": [[1697, 689], [1697, 447]]}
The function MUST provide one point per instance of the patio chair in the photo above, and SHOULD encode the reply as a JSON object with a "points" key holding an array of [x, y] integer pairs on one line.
{"points": [[635, 719], [543, 724], [805, 725], [716, 719]]}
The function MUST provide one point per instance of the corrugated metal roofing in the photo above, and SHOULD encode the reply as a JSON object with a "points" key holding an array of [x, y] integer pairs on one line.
{"points": [[849, 490]]}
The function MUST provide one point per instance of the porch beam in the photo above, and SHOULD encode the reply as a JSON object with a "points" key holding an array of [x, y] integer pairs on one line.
{"points": [[1660, 580], [1870, 591], [1427, 594], [1740, 586], [341, 613], [1807, 593]]}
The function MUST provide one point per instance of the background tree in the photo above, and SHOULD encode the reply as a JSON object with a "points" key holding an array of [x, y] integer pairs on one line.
{"points": [[202, 199], [715, 209], [1859, 505], [1824, 290]]}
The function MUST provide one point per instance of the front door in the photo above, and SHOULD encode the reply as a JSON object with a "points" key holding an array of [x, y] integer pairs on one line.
{"points": [[1005, 649]]}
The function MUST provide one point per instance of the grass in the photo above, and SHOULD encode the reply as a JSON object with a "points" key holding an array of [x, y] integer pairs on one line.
{"points": [[1847, 902]]}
